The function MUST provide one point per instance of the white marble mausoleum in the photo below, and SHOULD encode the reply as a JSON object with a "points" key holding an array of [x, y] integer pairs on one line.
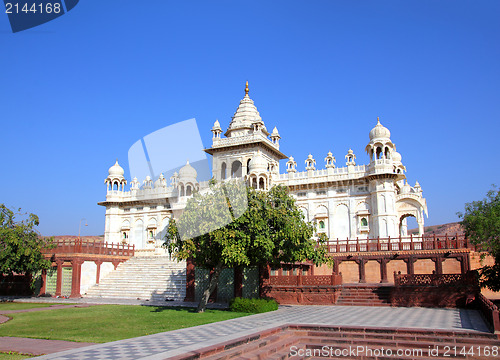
{"points": [[346, 200]]}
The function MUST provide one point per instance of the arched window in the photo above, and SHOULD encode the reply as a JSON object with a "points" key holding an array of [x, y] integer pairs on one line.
{"points": [[364, 222], [223, 171], [322, 225], [182, 190], [387, 156], [188, 190], [236, 169], [262, 183], [248, 166], [379, 152]]}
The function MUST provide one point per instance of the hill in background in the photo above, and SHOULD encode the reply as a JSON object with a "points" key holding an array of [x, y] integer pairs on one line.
{"points": [[450, 229]]}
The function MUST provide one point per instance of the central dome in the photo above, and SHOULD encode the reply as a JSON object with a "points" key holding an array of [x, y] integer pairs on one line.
{"points": [[245, 116]]}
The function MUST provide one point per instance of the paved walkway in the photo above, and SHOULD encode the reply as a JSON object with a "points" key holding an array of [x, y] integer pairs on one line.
{"points": [[37, 346], [168, 344]]}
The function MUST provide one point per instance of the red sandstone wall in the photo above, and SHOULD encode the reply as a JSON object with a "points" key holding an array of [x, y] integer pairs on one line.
{"points": [[350, 273], [322, 270], [372, 271], [476, 263], [451, 266]]}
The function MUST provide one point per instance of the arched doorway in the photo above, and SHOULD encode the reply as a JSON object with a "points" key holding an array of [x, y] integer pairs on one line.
{"points": [[236, 169], [408, 222]]}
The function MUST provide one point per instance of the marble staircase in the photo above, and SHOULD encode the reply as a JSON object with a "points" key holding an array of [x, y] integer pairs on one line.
{"points": [[146, 278]]}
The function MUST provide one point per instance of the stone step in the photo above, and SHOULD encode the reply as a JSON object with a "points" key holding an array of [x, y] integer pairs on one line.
{"points": [[277, 343], [144, 277]]}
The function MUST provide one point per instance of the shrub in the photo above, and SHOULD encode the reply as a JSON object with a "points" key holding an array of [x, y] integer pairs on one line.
{"points": [[253, 305]]}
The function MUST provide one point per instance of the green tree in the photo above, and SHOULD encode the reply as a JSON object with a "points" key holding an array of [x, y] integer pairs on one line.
{"points": [[20, 244], [481, 221], [232, 225]]}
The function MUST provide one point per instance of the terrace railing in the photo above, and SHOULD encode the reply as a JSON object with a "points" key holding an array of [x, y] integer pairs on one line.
{"points": [[490, 312], [91, 247], [304, 280], [406, 243], [467, 279]]}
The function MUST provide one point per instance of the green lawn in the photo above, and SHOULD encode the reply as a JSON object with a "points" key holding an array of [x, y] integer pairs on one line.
{"points": [[105, 323], [21, 306], [13, 356]]}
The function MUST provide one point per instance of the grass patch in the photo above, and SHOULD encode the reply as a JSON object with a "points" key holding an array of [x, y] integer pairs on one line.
{"points": [[104, 323], [13, 356], [253, 305], [9, 305]]}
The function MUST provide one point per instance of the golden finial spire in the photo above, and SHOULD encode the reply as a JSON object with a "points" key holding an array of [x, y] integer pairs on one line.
{"points": [[378, 120], [246, 88]]}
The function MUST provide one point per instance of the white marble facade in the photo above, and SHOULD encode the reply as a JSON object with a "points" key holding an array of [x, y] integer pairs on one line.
{"points": [[351, 201]]}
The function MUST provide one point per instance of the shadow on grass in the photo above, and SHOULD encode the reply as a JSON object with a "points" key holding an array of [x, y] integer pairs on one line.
{"points": [[157, 309]]}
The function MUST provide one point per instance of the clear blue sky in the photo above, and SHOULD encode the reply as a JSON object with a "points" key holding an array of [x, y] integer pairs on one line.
{"points": [[77, 92]]}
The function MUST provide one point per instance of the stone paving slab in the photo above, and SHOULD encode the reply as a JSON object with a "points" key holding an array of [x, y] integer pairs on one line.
{"points": [[37, 346], [172, 343]]}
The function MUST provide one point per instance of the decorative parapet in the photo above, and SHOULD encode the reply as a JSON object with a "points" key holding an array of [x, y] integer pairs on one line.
{"points": [[468, 279], [148, 193], [240, 140], [331, 172], [304, 280], [90, 247]]}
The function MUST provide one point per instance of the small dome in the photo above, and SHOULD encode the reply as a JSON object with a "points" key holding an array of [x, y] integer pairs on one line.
{"points": [[257, 163], [406, 188], [379, 131], [187, 172], [216, 125], [116, 170], [275, 131], [160, 182], [396, 157]]}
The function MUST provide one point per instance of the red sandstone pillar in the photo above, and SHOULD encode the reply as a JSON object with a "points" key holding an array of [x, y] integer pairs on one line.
{"points": [[190, 280], [98, 271], [336, 264], [43, 289], [438, 262], [264, 272], [238, 282], [59, 264], [362, 274], [410, 269], [75, 278], [383, 270]]}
